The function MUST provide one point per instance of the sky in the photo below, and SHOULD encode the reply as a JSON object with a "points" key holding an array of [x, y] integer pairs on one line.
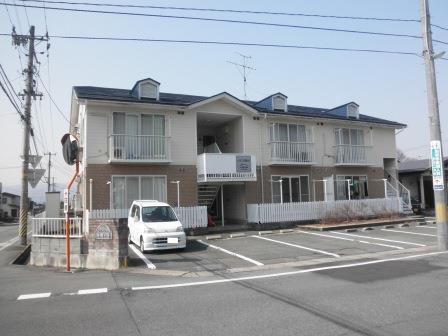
{"points": [[384, 85]]}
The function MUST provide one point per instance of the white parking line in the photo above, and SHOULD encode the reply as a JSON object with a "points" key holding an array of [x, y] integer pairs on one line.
{"points": [[411, 233], [323, 235], [382, 239], [299, 246], [142, 257], [276, 275], [352, 240], [426, 227], [33, 296], [92, 291], [385, 245], [232, 253]]}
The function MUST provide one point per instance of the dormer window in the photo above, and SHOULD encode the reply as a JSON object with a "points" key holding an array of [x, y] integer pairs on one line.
{"points": [[146, 88], [353, 111], [279, 103]]}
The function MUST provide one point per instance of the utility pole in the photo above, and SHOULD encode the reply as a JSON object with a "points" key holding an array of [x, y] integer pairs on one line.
{"points": [[49, 170], [28, 93], [434, 127], [242, 68]]}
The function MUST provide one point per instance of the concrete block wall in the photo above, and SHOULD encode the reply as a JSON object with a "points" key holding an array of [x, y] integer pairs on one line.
{"points": [[50, 251]]}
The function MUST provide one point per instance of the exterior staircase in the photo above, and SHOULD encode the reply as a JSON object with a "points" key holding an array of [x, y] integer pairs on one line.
{"points": [[395, 189], [207, 194]]}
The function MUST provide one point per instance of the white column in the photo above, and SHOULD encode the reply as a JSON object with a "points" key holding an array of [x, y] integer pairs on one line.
{"points": [[325, 190], [385, 188], [90, 194], [422, 193]]}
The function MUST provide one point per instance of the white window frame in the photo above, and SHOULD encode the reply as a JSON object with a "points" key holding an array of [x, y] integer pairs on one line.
{"points": [[140, 114], [111, 187], [339, 136], [148, 83], [272, 133], [290, 177], [343, 178]]}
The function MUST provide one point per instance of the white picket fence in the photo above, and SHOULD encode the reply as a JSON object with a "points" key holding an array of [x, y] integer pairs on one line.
{"points": [[306, 211], [190, 217]]}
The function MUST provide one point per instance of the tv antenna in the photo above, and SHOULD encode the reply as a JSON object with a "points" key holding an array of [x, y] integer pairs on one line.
{"points": [[243, 69]]}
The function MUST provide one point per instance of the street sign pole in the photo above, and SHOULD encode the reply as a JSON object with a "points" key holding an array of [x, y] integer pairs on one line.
{"points": [[435, 132]]}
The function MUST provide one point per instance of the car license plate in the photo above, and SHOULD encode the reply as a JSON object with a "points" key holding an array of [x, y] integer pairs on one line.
{"points": [[173, 240]]}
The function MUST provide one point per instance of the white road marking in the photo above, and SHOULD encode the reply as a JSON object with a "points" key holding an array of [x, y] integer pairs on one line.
{"points": [[352, 240], [92, 291], [299, 246], [382, 239], [385, 245], [10, 242], [276, 275], [411, 233], [142, 257], [232, 253], [426, 227], [33, 296]]}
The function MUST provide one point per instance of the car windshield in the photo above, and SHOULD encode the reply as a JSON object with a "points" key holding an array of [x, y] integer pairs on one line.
{"points": [[158, 214]]}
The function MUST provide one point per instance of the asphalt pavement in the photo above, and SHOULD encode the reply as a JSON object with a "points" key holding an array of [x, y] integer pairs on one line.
{"points": [[381, 282]]}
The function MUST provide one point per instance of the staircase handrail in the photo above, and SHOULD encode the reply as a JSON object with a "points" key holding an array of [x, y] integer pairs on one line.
{"points": [[402, 187]]}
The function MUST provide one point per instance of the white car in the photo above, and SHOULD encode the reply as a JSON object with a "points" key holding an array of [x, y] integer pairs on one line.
{"points": [[153, 225]]}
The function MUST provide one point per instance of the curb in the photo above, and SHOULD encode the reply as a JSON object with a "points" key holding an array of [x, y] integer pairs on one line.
{"points": [[355, 226]]}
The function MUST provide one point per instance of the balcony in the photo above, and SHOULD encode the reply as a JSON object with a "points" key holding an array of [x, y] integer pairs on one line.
{"points": [[351, 155], [213, 167], [291, 153], [139, 149]]}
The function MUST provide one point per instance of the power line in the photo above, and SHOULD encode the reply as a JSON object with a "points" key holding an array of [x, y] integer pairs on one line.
{"points": [[234, 11], [10, 87], [52, 100], [258, 23], [230, 43]]}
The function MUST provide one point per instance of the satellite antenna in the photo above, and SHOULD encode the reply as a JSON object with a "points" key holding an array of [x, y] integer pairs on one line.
{"points": [[243, 70]]}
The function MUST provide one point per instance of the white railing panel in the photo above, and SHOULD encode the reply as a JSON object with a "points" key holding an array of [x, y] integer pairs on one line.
{"points": [[291, 152], [55, 227], [139, 147], [348, 154], [305, 211]]}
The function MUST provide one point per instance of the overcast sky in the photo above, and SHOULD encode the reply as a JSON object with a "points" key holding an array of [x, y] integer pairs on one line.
{"points": [[385, 86]]}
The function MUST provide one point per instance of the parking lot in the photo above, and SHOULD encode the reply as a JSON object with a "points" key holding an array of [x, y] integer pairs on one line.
{"points": [[259, 249]]}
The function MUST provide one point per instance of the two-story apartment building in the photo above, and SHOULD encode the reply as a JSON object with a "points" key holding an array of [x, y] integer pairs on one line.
{"points": [[226, 152]]}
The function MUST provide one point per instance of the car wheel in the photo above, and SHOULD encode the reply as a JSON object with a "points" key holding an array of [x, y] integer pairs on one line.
{"points": [[142, 246]]}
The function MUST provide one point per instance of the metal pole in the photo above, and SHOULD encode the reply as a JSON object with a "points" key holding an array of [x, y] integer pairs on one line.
{"points": [[178, 201], [385, 188], [222, 204], [24, 203], [434, 124]]}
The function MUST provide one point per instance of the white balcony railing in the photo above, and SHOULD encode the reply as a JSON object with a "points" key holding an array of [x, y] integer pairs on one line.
{"points": [[291, 152], [352, 155], [146, 148], [212, 167]]}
